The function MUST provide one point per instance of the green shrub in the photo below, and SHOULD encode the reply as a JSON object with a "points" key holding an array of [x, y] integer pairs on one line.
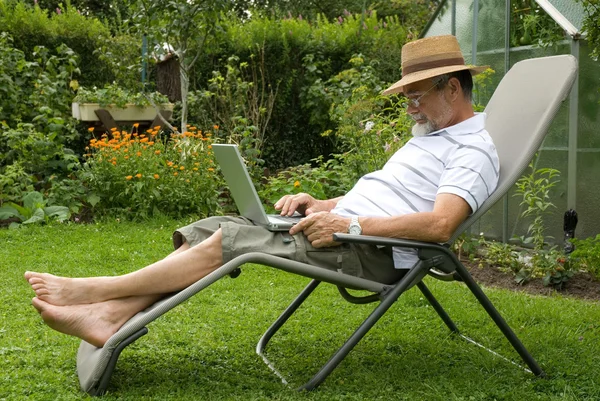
{"points": [[294, 54], [113, 94], [140, 175], [587, 254], [34, 210], [30, 26]]}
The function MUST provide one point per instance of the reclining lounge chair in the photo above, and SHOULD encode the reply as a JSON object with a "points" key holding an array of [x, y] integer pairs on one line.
{"points": [[518, 116]]}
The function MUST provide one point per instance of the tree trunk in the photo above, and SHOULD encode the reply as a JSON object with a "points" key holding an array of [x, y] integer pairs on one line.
{"points": [[168, 79]]}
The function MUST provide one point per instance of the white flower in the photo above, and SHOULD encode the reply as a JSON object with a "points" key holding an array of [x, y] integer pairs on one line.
{"points": [[369, 125]]}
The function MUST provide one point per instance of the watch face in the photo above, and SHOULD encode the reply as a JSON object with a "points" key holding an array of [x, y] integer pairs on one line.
{"points": [[355, 230]]}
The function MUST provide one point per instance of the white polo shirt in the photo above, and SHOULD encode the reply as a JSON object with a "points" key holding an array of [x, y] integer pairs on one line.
{"points": [[459, 160]]}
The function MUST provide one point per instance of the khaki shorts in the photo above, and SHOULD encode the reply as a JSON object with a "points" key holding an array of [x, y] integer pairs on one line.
{"points": [[241, 236]]}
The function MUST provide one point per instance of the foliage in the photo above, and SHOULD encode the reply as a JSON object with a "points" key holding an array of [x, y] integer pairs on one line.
{"points": [[143, 174], [39, 154], [240, 102], [180, 28], [531, 25], [591, 25], [325, 181], [534, 189], [116, 95], [34, 210], [587, 254], [283, 46], [32, 26]]}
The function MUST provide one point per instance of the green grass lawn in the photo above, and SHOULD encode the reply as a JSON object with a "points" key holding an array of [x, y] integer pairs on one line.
{"points": [[204, 349]]}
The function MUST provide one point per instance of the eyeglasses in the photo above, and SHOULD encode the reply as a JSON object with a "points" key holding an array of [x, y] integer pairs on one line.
{"points": [[417, 102]]}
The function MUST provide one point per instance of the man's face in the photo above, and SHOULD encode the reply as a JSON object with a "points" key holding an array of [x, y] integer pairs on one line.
{"points": [[428, 107]]}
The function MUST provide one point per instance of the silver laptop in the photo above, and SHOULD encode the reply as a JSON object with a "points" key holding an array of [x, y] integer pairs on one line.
{"points": [[243, 191]]}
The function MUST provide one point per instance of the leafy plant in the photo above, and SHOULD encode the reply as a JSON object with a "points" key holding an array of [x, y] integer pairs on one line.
{"points": [[143, 174], [325, 181], [587, 254], [115, 95], [534, 189], [34, 210]]}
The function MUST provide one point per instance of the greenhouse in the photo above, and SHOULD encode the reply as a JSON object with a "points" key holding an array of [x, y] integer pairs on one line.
{"points": [[501, 33]]}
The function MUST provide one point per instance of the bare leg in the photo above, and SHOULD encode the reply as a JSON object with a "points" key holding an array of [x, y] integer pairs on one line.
{"points": [[175, 272], [94, 323]]}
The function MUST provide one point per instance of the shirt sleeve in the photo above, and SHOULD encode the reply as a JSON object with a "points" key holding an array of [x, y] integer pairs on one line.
{"points": [[471, 173]]}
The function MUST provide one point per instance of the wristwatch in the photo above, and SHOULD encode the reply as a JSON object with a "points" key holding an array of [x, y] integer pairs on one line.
{"points": [[354, 227]]}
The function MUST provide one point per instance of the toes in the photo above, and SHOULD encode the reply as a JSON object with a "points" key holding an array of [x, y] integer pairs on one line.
{"points": [[39, 304]]}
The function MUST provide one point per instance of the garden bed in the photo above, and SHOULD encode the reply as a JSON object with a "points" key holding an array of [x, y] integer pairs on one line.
{"points": [[582, 285]]}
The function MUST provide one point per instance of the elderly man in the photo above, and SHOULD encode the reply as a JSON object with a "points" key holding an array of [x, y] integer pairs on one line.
{"points": [[424, 192]]}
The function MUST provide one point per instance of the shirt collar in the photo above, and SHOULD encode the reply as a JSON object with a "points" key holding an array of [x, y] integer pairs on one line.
{"points": [[468, 126]]}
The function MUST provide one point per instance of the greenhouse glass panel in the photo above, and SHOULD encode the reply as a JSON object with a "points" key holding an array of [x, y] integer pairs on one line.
{"points": [[588, 144], [571, 10], [464, 27], [491, 26], [442, 24], [589, 101]]}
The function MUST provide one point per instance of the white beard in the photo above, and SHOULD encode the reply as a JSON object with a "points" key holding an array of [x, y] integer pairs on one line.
{"points": [[430, 126], [423, 129]]}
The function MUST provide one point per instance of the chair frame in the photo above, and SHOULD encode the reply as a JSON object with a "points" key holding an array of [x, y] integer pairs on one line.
{"points": [[96, 365]]}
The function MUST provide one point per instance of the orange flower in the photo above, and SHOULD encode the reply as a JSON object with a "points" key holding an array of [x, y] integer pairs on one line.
{"points": [[195, 169], [138, 154], [113, 129], [296, 184], [126, 157], [151, 143], [156, 176], [144, 140], [215, 126], [209, 146], [138, 175], [181, 168], [129, 177], [211, 169], [91, 129], [114, 163], [157, 152], [176, 174], [169, 164], [136, 125]]}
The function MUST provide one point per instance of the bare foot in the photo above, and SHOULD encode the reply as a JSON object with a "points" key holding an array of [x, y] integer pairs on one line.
{"points": [[62, 291], [93, 323]]}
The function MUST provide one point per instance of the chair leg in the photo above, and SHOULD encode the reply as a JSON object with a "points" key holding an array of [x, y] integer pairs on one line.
{"points": [[437, 307], [369, 322], [262, 343], [499, 320]]}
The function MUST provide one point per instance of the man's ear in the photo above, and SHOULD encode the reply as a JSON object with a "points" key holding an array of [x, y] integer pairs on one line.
{"points": [[455, 90]]}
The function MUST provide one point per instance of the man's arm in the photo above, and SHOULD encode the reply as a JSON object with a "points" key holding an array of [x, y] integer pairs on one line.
{"points": [[439, 225], [449, 211], [304, 204]]}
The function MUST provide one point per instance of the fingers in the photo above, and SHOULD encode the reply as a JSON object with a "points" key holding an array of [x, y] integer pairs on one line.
{"points": [[291, 203]]}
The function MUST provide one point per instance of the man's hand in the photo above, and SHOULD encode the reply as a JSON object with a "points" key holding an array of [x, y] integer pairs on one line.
{"points": [[303, 204], [319, 228]]}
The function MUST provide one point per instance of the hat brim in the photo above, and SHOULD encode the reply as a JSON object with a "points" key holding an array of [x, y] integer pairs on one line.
{"points": [[398, 87]]}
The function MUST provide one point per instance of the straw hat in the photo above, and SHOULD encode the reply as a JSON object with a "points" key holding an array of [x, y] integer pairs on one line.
{"points": [[430, 57]]}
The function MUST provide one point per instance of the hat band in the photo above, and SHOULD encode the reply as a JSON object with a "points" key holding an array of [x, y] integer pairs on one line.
{"points": [[432, 64]]}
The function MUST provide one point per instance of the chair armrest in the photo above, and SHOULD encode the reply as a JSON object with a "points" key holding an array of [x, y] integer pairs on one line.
{"points": [[399, 242], [432, 251]]}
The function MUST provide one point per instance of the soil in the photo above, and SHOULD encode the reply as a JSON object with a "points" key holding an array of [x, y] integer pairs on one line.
{"points": [[582, 285]]}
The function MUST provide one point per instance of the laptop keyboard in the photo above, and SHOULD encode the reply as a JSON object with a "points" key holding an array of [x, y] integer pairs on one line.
{"points": [[287, 219]]}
